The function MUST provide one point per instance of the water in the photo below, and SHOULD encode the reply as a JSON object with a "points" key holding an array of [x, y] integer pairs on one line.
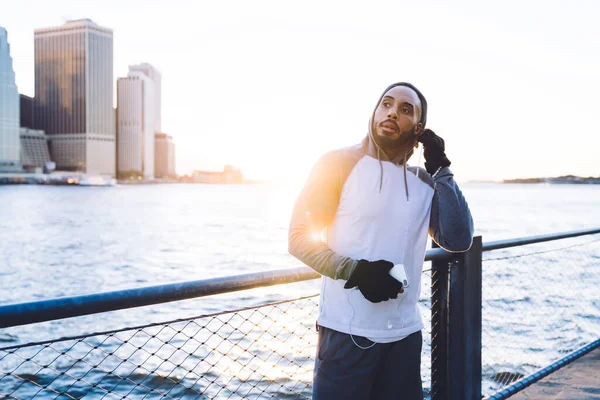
{"points": [[60, 241], [64, 241]]}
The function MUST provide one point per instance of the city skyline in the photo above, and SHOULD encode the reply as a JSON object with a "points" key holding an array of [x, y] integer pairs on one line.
{"points": [[71, 116], [306, 80]]}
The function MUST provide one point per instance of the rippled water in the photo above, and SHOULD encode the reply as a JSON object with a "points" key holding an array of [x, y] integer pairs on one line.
{"points": [[63, 241]]}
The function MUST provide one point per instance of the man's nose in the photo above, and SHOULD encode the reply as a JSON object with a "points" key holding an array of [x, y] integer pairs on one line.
{"points": [[392, 113]]}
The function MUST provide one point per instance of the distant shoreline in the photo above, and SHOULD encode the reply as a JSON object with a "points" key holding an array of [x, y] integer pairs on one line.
{"points": [[81, 179], [182, 181], [73, 179], [568, 179]]}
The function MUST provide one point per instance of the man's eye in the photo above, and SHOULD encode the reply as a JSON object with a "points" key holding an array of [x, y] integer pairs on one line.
{"points": [[405, 110]]}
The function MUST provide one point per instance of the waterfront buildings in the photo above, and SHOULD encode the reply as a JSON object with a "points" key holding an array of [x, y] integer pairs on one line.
{"points": [[9, 110], [154, 75], [229, 175], [26, 107], [232, 174], [137, 121], [34, 150], [164, 156], [35, 155], [74, 95]]}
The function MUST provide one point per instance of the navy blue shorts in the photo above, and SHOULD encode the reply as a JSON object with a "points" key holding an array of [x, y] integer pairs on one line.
{"points": [[385, 371]]}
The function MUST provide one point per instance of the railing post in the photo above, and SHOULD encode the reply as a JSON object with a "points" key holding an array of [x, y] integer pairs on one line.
{"points": [[464, 325], [439, 328]]}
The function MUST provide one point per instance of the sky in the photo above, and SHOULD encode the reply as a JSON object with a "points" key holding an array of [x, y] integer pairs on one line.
{"points": [[269, 86]]}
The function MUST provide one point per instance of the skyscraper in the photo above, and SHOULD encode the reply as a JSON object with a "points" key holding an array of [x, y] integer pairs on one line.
{"points": [[138, 119], [9, 110], [135, 126], [74, 95], [155, 76]]}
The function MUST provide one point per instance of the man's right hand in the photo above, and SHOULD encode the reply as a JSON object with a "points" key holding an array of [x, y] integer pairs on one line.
{"points": [[434, 151], [374, 281]]}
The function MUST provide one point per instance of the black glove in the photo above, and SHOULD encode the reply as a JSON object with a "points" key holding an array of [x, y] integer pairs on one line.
{"points": [[434, 151], [374, 281]]}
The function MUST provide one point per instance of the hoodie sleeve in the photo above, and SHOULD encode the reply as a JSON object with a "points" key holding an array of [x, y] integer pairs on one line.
{"points": [[451, 224], [314, 210]]}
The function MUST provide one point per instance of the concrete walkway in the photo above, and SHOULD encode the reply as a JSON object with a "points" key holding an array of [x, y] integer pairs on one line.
{"points": [[580, 380]]}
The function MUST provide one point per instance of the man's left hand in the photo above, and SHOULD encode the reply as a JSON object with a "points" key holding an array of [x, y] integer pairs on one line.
{"points": [[374, 281], [434, 152]]}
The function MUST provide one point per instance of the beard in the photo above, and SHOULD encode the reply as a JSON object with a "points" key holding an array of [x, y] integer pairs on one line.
{"points": [[405, 140]]}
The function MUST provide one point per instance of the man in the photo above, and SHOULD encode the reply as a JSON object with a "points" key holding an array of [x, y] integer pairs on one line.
{"points": [[376, 212]]}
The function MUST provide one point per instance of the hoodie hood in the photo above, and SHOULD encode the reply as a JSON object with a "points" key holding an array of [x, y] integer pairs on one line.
{"points": [[374, 150], [423, 119]]}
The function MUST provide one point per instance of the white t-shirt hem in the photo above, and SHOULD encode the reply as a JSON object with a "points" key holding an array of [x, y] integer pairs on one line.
{"points": [[375, 335]]}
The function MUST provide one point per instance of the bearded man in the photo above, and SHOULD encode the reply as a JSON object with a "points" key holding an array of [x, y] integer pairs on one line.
{"points": [[376, 212]]}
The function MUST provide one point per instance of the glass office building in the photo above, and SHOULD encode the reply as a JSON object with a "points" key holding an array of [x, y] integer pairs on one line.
{"points": [[74, 95], [9, 110]]}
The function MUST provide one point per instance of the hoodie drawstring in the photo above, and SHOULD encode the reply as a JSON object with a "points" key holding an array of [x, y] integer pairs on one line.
{"points": [[381, 173], [380, 170], [381, 167], [405, 180]]}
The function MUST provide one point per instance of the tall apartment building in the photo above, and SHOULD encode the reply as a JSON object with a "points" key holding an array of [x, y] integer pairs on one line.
{"points": [[155, 76], [138, 113], [9, 110], [164, 159], [135, 126], [74, 95]]}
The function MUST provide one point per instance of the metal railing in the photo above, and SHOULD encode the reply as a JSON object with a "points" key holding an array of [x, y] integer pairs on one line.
{"points": [[550, 309], [268, 350], [477, 344]]}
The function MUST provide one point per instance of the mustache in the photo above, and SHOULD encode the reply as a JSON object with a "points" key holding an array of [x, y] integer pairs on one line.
{"points": [[392, 122]]}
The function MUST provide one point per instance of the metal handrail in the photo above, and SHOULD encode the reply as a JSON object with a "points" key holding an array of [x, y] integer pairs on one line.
{"points": [[504, 244], [74, 306]]}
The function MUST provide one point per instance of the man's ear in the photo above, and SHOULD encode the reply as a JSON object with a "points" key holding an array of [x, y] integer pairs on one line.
{"points": [[419, 128], [418, 131]]}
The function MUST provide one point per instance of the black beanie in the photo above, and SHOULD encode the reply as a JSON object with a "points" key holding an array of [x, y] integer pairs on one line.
{"points": [[417, 91]]}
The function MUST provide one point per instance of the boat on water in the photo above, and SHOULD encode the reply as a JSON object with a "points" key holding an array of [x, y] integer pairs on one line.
{"points": [[96, 180]]}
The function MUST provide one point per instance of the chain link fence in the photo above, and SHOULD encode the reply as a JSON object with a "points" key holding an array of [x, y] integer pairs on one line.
{"points": [[540, 302], [257, 352], [260, 352]]}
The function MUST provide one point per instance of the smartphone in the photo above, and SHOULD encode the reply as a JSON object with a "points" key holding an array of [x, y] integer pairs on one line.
{"points": [[398, 272]]}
